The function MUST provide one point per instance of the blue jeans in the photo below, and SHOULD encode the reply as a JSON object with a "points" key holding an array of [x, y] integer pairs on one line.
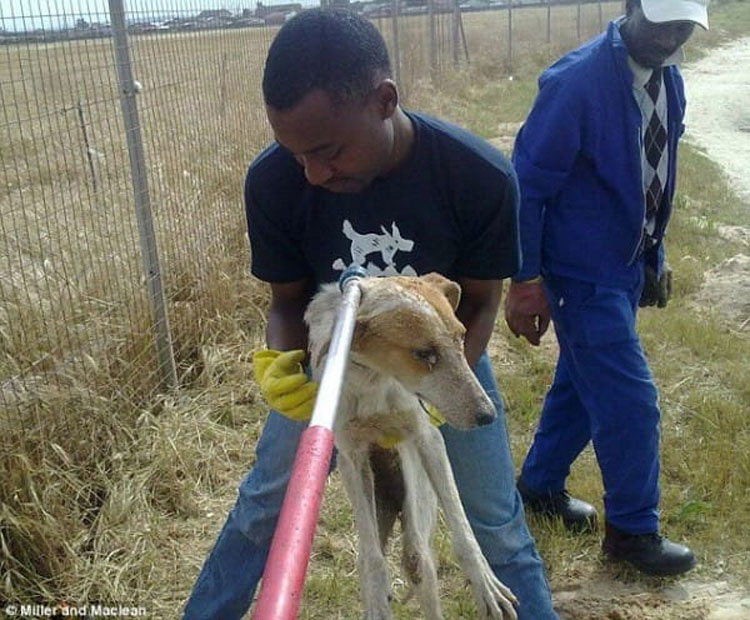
{"points": [[484, 474], [602, 392]]}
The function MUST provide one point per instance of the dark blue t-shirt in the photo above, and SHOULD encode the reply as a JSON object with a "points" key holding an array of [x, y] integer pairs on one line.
{"points": [[451, 207]]}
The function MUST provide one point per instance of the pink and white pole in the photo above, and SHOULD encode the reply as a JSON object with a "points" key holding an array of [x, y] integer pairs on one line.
{"points": [[284, 575]]}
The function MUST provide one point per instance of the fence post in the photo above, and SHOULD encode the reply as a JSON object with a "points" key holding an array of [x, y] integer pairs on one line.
{"points": [[396, 50], [149, 250], [459, 34], [454, 30], [433, 41], [86, 142], [510, 34], [549, 21]]}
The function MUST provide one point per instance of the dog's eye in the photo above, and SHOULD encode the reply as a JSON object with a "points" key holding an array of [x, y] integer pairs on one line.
{"points": [[427, 356]]}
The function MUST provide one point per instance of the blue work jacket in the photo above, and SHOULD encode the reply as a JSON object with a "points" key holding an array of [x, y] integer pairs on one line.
{"points": [[578, 159]]}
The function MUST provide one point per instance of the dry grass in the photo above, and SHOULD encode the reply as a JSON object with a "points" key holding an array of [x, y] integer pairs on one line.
{"points": [[115, 493]]}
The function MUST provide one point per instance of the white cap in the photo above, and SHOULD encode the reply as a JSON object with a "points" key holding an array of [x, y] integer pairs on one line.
{"points": [[658, 11]]}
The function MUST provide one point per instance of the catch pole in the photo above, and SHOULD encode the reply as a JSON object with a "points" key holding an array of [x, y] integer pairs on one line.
{"points": [[284, 575]]}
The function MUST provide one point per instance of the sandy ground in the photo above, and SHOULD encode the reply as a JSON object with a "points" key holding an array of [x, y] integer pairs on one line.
{"points": [[718, 122], [718, 112], [603, 599]]}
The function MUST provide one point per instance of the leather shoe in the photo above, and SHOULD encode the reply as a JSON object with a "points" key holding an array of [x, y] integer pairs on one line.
{"points": [[577, 515], [651, 554]]}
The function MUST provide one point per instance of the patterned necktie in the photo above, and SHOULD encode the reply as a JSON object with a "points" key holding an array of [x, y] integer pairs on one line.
{"points": [[654, 142]]}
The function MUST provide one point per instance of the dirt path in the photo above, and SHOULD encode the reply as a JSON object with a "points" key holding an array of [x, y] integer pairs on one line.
{"points": [[601, 598], [718, 112], [718, 121]]}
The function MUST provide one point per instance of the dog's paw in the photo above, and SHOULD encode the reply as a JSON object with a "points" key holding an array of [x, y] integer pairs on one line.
{"points": [[494, 599], [379, 612]]}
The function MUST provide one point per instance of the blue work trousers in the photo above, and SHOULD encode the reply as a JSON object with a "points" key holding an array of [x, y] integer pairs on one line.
{"points": [[602, 392], [484, 474]]}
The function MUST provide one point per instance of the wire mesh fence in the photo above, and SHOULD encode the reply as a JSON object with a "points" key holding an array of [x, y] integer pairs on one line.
{"points": [[76, 310], [124, 135]]}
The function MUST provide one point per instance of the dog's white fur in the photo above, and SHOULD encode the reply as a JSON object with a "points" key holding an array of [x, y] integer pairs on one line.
{"points": [[407, 345]]}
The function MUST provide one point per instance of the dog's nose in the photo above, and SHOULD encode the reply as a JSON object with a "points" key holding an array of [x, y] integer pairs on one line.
{"points": [[484, 418]]}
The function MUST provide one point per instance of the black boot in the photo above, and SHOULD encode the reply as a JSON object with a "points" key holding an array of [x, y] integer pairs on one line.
{"points": [[649, 553], [577, 515]]}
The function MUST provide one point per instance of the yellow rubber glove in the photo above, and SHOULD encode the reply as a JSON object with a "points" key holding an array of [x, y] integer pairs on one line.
{"points": [[284, 384]]}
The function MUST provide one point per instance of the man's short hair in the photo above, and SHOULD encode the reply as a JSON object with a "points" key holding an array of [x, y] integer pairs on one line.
{"points": [[334, 50]]}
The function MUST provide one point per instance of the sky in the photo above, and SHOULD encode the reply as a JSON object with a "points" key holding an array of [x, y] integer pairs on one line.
{"points": [[22, 15]]}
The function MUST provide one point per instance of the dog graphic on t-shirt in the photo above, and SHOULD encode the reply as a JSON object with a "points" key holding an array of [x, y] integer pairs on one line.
{"points": [[386, 244]]}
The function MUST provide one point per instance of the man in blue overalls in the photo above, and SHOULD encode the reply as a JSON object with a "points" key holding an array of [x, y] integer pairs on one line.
{"points": [[596, 162]]}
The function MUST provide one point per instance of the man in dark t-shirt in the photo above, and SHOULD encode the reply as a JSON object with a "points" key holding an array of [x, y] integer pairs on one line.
{"points": [[354, 179]]}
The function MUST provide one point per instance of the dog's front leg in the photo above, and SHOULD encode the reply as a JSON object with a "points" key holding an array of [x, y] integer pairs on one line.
{"points": [[373, 571], [494, 599]]}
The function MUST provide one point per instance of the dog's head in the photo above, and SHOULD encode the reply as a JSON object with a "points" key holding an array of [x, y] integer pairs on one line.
{"points": [[407, 329]]}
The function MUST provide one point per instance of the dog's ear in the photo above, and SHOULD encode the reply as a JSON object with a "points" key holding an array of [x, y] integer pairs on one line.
{"points": [[449, 288]]}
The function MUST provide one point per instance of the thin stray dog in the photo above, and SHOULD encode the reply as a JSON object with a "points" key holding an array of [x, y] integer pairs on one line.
{"points": [[407, 348]]}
